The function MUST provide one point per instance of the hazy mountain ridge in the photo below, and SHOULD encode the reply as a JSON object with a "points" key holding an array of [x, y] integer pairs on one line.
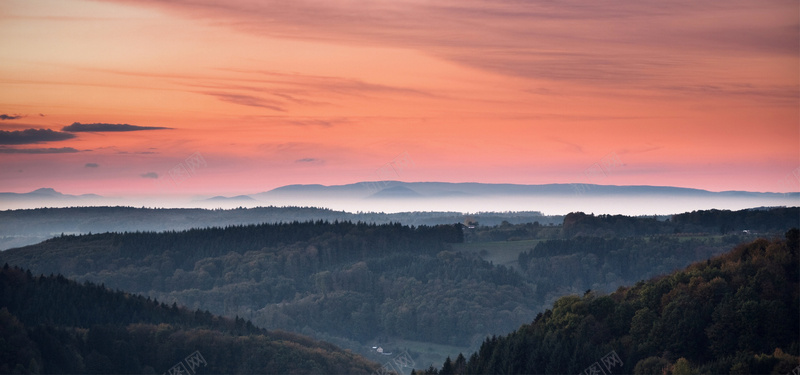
{"points": [[238, 198], [385, 196], [42, 193], [477, 189]]}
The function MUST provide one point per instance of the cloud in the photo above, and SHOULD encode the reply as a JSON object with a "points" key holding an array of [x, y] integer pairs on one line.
{"points": [[9, 117], [312, 122], [92, 165], [62, 150], [149, 175], [628, 44], [309, 160], [136, 153], [101, 127], [30, 136], [571, 145], [248, 100]]}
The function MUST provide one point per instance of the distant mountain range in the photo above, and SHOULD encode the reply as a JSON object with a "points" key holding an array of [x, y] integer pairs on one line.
{"points": [[397, 196], [399, 189], [45, 193], [238, 198]]}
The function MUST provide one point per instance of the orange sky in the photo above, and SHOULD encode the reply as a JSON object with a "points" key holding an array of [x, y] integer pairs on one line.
{"points": [[270, 93]]}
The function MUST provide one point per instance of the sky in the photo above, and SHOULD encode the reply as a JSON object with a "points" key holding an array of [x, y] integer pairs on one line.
{"points": [[233, 97]]}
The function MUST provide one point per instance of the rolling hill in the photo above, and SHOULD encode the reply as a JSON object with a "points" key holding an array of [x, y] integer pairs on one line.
{"points": [[738, 313], [49, 324]]}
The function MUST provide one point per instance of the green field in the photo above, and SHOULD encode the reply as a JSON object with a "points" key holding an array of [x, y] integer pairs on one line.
{"points": [[501, 252], [423, 354]]}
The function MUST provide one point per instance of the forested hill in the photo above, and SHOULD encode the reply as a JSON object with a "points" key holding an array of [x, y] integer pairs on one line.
{"points": [[736, 313], [55, 325], [327, 244], [358, 284], [760, 220], [30, 226]]}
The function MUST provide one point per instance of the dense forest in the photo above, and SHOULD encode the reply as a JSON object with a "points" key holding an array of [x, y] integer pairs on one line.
{"points": [[353, 280], [29, 226], [708, 222], [354, 283], [361, 284], [559, 267], [737, 313], [49, 324]]}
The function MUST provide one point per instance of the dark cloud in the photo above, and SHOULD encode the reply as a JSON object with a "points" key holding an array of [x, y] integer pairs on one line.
{"points": [[308, 160], [149, 175], [30, 136], [101, 127], [92, 165], [62, 150], [9, 117]]}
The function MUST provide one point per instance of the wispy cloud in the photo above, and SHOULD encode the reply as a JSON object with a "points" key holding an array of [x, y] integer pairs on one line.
{"points": [[62, 150], [91, 165], [324, 122], [247, 100], [136, 153], [629, 44], [149, 175], [312, 122], [101, 127], [31, 136], [309, 160], [573, 147], [9, 117]]}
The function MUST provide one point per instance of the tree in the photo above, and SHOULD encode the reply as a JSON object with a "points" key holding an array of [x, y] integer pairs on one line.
{"points": [[447, 367], [651, 365]]}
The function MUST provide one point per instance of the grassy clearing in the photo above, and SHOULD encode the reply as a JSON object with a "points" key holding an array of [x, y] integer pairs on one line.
{"points": [[501, 252], [423, 354]]}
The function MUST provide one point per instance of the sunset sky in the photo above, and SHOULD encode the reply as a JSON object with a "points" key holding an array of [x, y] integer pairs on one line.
{"points": [[235, 97]]}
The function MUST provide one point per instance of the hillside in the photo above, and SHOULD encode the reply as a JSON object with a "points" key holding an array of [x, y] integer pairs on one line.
{"points": [[350, 280], [736, 313], [54, 325], [26, 227], [358, 284]]}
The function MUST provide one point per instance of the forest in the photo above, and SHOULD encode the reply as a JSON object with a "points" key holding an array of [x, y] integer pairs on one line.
{"points": [[762, 221], [737, 313], [29, 226], [358, 284], [49, 324]]}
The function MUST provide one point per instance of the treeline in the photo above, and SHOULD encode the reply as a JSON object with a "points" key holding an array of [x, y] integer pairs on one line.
{"points": [[738, 313], [766, 220], [578, 224], [336, 242], [54, 325], [763, 220], [29, 226]]}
